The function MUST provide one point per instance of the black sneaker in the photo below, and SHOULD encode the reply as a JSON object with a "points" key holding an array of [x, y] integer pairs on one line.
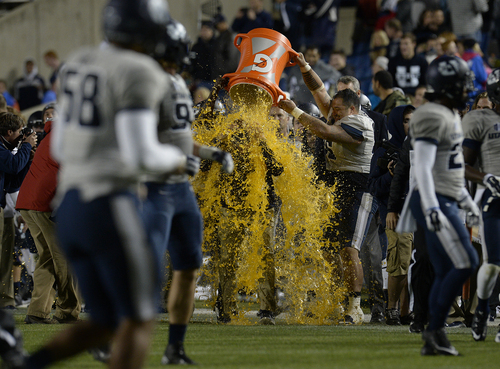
{"points": [[407, 319], [416, 327], [377, 317], [437, 342], [175, 355], [392, 317], [479, 326], [266, 317], [11, 345]]}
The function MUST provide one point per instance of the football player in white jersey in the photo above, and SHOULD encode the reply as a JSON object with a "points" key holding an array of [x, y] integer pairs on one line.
{"points": [[105, 141], [172, 215], [438, 166], [482, 142], [349, 144]]}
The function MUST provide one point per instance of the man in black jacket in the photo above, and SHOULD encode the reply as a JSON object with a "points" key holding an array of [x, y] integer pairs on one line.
{"points": [[421, 271]]}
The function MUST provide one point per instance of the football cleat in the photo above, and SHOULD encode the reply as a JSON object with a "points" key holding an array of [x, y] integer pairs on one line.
{"points": [[11, 345], [479, 325], [392, 317], [437, 341], [266, 317], [354, 315], [175, 355]]}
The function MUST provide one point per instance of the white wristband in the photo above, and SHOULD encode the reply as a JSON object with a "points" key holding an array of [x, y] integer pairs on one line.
{"points": [[207, 152], [485, 178], [296, 113], [307, 68]]}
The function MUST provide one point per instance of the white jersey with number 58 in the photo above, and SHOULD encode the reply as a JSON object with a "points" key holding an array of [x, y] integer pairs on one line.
{"points": [[96, 84]]}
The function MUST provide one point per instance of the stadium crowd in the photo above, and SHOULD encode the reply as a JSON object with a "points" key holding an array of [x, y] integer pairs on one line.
{"points": [[354, 115]]}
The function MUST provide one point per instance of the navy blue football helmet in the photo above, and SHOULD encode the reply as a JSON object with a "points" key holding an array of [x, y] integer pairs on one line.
{"points": [[140, 22], [493, 86], [450, 76], [177, 44]]}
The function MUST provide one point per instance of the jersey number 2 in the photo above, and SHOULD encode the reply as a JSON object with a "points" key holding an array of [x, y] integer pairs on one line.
{"points": [[453, 162]]}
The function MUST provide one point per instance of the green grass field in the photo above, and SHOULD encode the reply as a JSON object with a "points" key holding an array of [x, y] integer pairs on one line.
{"points": [[294, 346]]}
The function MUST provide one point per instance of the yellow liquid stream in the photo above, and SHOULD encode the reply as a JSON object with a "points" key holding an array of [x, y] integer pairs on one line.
{"points": [[313, 291]]}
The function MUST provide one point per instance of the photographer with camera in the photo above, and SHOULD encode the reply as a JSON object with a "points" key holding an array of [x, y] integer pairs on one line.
{"points": [[13, 168], [399, 245]]}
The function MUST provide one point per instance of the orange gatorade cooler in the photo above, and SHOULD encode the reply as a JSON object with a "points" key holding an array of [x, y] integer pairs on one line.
{"points": [[264, 55]]}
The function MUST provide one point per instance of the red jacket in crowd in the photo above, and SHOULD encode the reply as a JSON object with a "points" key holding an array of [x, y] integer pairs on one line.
{"points": [[39, 186]]}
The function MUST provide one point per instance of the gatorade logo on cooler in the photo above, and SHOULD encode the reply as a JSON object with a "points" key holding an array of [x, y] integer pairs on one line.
{"points": [[262, 63], [265, 51]]}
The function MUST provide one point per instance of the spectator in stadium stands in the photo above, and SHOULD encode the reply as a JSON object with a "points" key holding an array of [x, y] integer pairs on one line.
{"points": [[482, 102], [52, 60], [287, 20], [378, 44], [203, 65], [408, 69], [227, 56], [476, 65], [296, 85], [338, 60], [449, 47], [320, 24], [3, 104], [252, 17], [466, 18], [383, 87], [29, 89], [419, 98], [8, 97], [394, 31]]}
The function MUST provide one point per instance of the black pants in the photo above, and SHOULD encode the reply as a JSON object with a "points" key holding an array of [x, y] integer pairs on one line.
{"points": [[421, 277]]}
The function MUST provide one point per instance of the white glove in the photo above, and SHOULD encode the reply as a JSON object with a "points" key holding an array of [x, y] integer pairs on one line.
{"points": [[436, 220], [192, 165], [225, 159], [493, 184], [471, 209]]}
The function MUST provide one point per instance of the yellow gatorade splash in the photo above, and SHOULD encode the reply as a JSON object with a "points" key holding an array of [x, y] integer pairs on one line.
{"points": [[311, 294]]}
